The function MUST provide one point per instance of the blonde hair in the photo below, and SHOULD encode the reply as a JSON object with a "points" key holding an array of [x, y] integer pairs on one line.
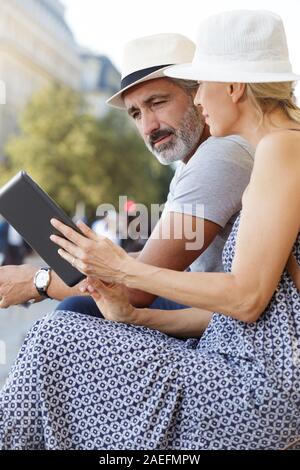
{"points": [[266, 97]]}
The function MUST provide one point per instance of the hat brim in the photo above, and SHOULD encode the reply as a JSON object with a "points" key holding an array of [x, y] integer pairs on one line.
{"points": [[215, 73], [116, 101]]}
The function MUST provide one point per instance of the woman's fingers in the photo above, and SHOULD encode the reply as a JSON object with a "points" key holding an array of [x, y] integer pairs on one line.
{"points": [[66, 245], [83, 289], [81, 241], [88, 232], [94, 256], [98, 285], [75, 262], [69, 233], [83, 286]]}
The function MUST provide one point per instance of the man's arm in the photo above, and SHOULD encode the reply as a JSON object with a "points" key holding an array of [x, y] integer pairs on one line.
{"points": [[58, 290], [170, 252], [17, 287]]}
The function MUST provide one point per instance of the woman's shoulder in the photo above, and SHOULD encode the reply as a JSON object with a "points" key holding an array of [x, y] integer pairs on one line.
{"points": [[279, 147]]}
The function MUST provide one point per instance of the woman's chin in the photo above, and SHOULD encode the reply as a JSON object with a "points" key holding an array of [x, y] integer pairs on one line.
{"points": [[217, 132]]}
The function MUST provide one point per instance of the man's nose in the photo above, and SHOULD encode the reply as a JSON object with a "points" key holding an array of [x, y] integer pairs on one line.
{"points": [[150, 123]]}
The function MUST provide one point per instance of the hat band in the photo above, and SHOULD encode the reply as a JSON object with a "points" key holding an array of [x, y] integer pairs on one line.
{"points": [[135, 76]]}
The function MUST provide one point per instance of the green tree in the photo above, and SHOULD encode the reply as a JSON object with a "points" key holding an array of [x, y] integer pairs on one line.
{"points": [[76, 157]]}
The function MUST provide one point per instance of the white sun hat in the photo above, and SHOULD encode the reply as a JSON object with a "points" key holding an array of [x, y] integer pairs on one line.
{"points": [[146, 58], [246, 46]]}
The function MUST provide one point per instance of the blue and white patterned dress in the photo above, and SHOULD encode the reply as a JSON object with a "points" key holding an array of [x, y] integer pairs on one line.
{"points": [[87, 383]]}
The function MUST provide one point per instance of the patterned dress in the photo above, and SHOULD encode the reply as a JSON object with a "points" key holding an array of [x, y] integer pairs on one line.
{"points": [[87, 383]]}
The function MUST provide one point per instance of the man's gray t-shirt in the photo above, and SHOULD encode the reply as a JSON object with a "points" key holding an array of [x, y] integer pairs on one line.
{"points": [[216, 176]]}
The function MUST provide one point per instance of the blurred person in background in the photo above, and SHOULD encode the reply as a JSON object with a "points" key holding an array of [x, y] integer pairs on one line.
{"points": [[107, 226], [13, 249], [15, 252], [3, 239]]}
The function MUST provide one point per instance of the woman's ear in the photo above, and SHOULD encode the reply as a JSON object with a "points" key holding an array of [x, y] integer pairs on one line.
{"points": [[236, 91]]}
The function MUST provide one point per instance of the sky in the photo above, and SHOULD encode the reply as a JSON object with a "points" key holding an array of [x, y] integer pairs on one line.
{"points": [[105, 25]]}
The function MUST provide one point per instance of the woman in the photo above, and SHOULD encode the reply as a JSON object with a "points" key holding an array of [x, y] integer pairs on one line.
{"points": [[124, 383]]}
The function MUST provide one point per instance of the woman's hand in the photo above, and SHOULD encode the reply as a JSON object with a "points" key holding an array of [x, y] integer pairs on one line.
{"points": [[90, 253], [112, 300]]}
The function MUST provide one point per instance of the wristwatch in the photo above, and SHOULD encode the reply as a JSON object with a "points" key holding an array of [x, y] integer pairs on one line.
{"points": [[42, 280]]}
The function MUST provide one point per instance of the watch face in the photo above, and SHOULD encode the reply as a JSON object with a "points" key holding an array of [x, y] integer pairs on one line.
{"points": [[42, 279]]}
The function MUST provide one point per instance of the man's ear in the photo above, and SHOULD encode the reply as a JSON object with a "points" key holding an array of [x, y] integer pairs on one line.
{"points": [[236, 91]]}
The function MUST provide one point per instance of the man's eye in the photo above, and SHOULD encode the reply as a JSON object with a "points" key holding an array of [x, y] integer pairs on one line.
{"points": [[135, 115], [155, 103]]}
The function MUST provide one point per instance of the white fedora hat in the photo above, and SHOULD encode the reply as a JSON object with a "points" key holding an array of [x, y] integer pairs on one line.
{"points": [[146, 58], [246, 46]]}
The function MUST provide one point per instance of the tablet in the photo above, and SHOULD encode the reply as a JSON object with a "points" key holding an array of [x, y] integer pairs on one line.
{"points": [[29, 210]]}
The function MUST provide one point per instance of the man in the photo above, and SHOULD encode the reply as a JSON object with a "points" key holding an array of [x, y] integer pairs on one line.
{"points": [[212, 171]]}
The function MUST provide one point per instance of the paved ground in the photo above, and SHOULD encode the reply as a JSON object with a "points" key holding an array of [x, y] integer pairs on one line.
{"points": [[14, 324]]}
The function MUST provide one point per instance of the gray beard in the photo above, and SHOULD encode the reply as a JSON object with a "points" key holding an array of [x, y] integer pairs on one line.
{"points": [[183, 140]]}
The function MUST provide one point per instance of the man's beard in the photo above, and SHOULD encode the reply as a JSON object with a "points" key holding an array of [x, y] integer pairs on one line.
{"points": [[183, 140]]}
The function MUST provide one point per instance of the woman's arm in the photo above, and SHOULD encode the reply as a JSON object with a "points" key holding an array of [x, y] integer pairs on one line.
{"points": [[268, 229], [183, 323], [113, 302]]}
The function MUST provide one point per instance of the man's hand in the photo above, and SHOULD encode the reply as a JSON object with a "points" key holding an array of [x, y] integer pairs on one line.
{"points": [[16, 285]]}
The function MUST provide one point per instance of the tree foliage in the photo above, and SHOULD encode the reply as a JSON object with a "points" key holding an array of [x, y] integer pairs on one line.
{"points": [[76, 157]]}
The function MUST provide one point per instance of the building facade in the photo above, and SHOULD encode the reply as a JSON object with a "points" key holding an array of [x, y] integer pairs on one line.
{"points": [[99, 80], [36, 47]]}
